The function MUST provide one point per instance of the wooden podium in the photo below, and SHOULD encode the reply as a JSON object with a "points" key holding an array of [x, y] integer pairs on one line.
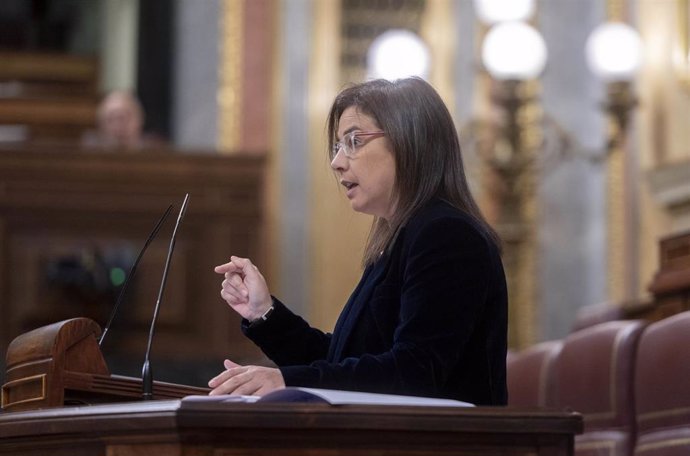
{"points": [[61, 364], [165, 428]]}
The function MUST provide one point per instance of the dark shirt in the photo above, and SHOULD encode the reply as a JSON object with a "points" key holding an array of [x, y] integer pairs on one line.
{"points": [[428, 318]]}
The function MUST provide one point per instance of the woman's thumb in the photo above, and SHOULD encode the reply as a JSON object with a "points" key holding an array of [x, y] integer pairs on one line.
{"points": [[229, 364]]}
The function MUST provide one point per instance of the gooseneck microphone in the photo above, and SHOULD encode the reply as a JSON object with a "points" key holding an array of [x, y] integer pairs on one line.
{"points": [[133, 271], [146, 374]]}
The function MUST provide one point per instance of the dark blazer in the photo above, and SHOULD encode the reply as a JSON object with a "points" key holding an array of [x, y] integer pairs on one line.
{"points": [[429, 318]]}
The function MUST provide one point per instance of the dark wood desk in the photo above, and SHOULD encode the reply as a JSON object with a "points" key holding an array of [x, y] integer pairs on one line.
{"points": [[172, 428]]}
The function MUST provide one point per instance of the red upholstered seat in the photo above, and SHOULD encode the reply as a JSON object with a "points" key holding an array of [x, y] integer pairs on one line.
{"points": [[662, 388], [594, 376], [530, 374], [593, 314]]}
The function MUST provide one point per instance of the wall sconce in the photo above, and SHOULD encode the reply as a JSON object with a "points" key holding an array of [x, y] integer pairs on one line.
{"points": [[518, 146], [613, 54], [514, 51], [397, 53], [514, 54]]}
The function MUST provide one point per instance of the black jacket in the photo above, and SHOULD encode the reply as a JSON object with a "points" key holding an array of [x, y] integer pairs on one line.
{"points": [[429, 318]]}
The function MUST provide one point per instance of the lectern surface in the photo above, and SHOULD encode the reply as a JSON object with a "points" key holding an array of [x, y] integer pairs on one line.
{"points": [[171, 428]]}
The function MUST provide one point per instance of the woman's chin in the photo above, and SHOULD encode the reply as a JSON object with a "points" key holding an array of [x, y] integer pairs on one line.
{"points": [[364, 210], [357, 207]]}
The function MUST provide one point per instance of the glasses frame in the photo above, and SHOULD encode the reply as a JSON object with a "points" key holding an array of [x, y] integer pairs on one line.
{"points": [[347, 143]]}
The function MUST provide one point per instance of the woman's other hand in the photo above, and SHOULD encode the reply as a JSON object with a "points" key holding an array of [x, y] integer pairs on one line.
{"points": [[246, 380], [244, 288]]}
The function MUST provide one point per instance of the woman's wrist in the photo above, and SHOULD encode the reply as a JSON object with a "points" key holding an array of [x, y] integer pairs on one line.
{"points": [[263, 316]]}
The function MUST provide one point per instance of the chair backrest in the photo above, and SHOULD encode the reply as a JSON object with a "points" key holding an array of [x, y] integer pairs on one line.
{"points": [[594, 376], [593, 314], [530, 375], [662, 388]]}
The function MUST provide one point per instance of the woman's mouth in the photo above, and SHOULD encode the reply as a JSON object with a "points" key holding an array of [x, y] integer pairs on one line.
{"points": [[349, 186]]}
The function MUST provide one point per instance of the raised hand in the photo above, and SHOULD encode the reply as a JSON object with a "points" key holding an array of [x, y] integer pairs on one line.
{"points": [[244, 288]]}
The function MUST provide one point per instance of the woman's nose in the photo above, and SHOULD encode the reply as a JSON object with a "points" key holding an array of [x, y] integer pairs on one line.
{"points": [[339, 161]]}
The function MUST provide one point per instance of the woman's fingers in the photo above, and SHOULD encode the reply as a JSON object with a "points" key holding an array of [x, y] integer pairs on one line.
{"points": [[232, 369], [255, 282], [230, 386], [238, 380], [227, 382], [240, 271], [233, 276], [232, 299], [237, 281], [234, 265], [225, 267], [248, 269], [228, 364], [234, 291], [248, 388], [244, 288]]}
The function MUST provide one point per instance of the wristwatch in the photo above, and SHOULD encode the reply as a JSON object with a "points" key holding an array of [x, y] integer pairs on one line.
{"points": [[263, 317]]}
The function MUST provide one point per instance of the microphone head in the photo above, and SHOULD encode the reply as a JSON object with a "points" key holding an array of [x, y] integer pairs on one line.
{"points": [[183, 209]]}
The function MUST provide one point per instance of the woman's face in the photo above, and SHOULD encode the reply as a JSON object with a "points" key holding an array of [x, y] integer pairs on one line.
{"points": [[369, 174]]}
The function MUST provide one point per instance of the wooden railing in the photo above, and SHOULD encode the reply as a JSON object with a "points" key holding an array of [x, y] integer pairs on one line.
{"points": [[54, 97]]}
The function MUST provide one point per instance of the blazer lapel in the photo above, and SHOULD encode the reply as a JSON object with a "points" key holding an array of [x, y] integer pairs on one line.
{"points": [[338, 330], [358, 300]]}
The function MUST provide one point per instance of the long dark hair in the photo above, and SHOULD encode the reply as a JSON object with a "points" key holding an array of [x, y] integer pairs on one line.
{"points": [[425, 146]]}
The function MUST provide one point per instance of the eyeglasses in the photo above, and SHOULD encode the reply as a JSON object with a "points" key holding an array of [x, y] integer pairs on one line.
{"points": [[352, 141]]}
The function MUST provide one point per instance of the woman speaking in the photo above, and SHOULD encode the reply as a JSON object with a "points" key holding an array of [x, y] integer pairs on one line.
{"points": [[429, 315]]}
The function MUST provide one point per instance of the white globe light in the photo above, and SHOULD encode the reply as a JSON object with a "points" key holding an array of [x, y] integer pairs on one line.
{"points": [[613, 51], [397, 54], [494, 11], [514, 50]]}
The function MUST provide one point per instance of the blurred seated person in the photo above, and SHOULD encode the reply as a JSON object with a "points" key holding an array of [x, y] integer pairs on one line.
{"points": [[120, 120]]}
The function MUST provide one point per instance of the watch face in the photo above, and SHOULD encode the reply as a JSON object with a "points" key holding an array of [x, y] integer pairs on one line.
{"points": [[267, 314]]}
